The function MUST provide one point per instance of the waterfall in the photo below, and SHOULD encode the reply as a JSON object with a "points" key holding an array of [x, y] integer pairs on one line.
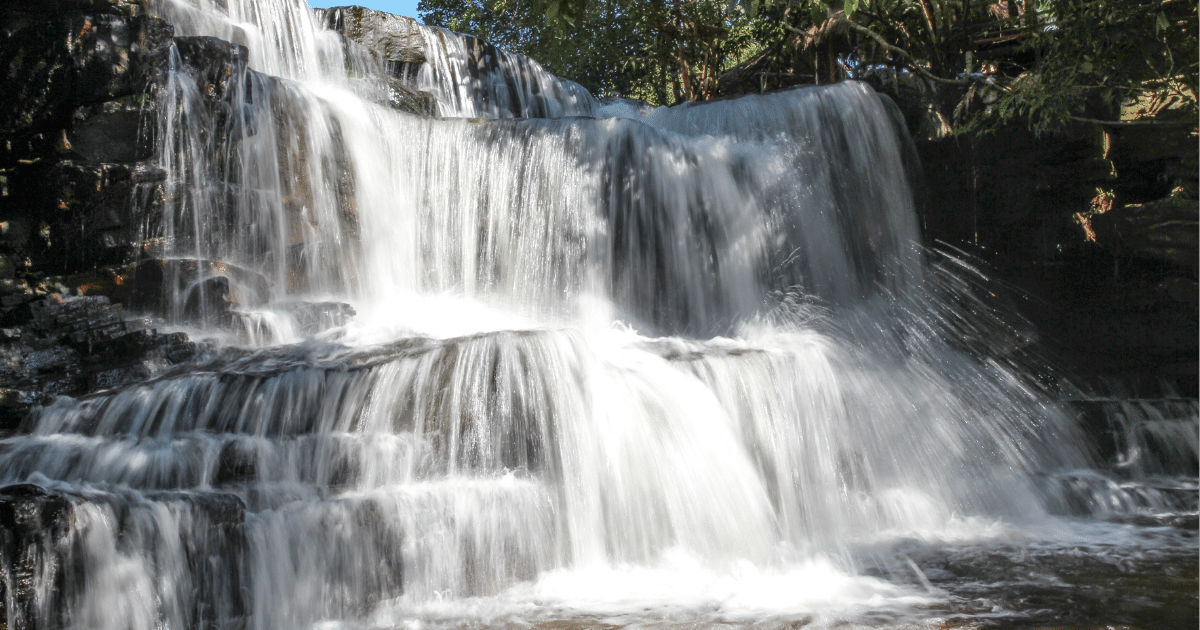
{"points": [[537, 351], [473, 79]]}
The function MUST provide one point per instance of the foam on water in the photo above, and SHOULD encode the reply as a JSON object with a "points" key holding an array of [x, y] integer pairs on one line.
{"points": [[681, 590], [657, 366]]}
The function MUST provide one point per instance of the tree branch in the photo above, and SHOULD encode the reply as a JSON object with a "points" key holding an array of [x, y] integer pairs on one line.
{"points": [[1136, 123], [895, 49]]}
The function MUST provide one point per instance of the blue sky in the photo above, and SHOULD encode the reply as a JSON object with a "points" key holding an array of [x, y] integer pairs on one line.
{"points": [[399, 7]]}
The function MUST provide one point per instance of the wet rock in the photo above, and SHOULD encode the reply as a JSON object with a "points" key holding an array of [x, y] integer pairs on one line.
{"points": [[406, 99], [90, 214], [214, 541], [128, 8], [1092, 418], [45, 566], [34, 528], [1185, 290], [19, 314], [314, 317], [394, 41], [218, 67], [128, 346], [118, 377], [52, 360], [15, 409], [77, 345], [196, 290], [80, 77], [8, 270], [1032, 205], [236, 464], [178, 348], [218, 508]]}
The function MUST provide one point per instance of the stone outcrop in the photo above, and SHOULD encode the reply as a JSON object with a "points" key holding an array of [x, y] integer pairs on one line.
{"points": [[1163, 230], [83, 287], [394, 41]]}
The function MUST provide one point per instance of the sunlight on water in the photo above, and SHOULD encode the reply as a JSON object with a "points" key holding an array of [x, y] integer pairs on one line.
{"points": [[577, 363]]}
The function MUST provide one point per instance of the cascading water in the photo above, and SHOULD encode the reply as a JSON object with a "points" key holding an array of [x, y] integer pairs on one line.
{"points": [[608, 364], [506, 86]]}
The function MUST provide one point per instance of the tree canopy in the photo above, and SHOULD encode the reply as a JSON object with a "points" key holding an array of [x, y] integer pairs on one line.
{"points": [[1043, 62]]}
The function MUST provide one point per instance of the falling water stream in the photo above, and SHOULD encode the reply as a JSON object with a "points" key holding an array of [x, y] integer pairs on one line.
{"points": [[607, 366]]}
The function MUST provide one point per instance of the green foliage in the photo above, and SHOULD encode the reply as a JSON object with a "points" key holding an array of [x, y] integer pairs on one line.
{"points": [[662, 51], [1097, 58], [988, 62]]}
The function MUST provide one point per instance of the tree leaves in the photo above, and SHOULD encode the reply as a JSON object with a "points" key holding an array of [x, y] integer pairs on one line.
{"points": [[1048, 60], [661, 51]]}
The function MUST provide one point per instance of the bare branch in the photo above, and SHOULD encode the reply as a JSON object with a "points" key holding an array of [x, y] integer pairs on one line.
{"points": [[897, 50], [1136, 123]]}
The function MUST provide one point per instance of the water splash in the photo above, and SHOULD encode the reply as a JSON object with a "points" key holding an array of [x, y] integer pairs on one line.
{"points": [[588, 350]]}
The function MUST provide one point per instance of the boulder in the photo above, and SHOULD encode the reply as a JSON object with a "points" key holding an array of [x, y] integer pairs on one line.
{"points": [[393, 38], [395, 42]]}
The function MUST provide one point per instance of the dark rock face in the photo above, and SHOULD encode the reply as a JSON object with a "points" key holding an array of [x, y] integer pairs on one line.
{"points": [[81, 200], [79, 78], [55, 63], [70, 216], [1096, 226], [121, 130], [128, 8], [16, 406], [1164, 230], [207, 289], [217, 66], [1140, 437]]}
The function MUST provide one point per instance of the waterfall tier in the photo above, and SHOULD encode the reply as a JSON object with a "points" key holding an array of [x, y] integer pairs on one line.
{"points": [[545, 357]]}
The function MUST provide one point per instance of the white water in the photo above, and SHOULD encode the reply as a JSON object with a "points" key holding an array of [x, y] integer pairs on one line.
{"points": [[684, 364]]}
